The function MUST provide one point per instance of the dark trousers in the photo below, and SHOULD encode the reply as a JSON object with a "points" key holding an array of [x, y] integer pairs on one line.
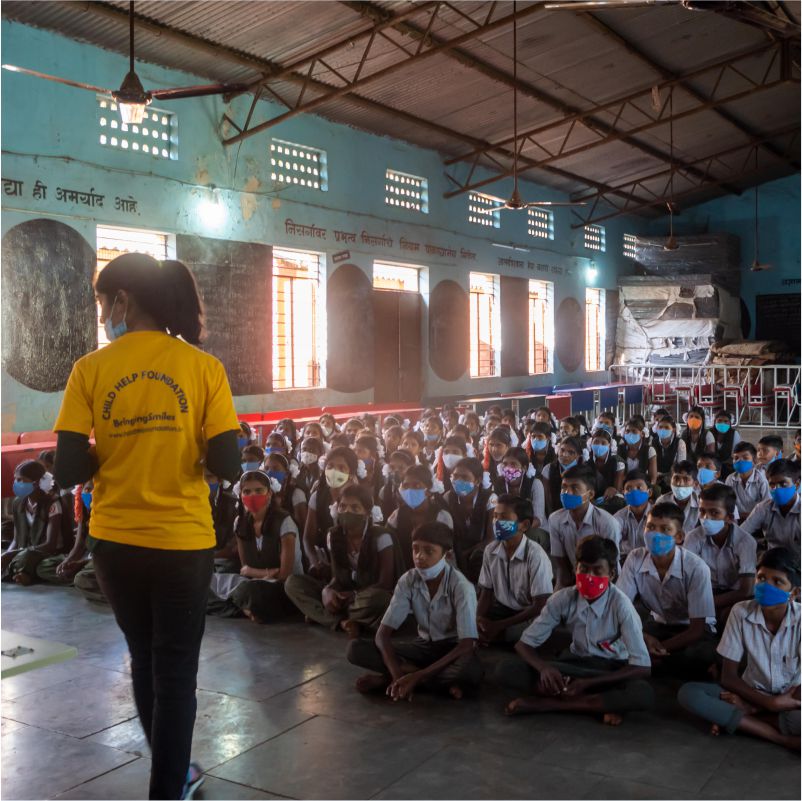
{"points": [[691, 663], [159, 601], [465, 672]]}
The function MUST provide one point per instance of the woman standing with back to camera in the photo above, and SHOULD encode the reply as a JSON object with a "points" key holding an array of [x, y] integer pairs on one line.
{"points": [[159, 408]]}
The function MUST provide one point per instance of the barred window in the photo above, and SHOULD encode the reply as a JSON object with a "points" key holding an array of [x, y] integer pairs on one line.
{"points": [[541, 327], [406, 191], [155, 136], [629, 246], [299, 165], [485, 325], [594, 330], [541, 223], [595, 237], [483, 210]]}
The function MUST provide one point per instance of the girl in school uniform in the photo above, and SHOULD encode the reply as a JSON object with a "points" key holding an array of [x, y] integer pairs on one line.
{"points": [[471, 506], [412, 441], [517, 477], [311, 452], [726, 438], [367, 451], [606, 422], [365, 564], [287, 428], [328, 425], [352, 429], [341, 467], [609, 469], [698, 440], [393, 473], [269, 551], [637, 451], [419, 504], [291, 498], [452, 451], [245, 436], [433, 436], [539, 446], [472, 422], [497, 443], [277, 443], [569, 454], [252, 457], [669, 449], [392, 438]]}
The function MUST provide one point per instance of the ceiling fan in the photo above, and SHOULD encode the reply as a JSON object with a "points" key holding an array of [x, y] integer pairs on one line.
{"points": [[756, 266], [131, 97], [515, 201], [747, 12]]}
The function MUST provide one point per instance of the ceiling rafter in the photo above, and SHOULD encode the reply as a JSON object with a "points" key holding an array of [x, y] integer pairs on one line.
{"points": [[773, 74], [643, 186]]}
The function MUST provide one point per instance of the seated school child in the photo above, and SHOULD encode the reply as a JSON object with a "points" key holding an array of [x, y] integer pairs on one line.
{"points": [[605, 422], [726, 438], [224, 503], [246, 436], [329, 425], [569, 454], [637, 450], [352, 429], [309, 472], [657, 416], [286, 427], [252, 458], [764, 700], [605, 669], [393, 472], [443, 657], [471, 506], [698, 440], [269, 551], [750, 484], [577, 519], [340, 469], [433, 435], [516, 577], [366, 448], [392, 438], [670, 448], [727, 550], [277, 443], [632, 518], [412, 441], [795, 456], [674, 585], [769, 449], [684, 492], [452, 451], [365, 565], [539, 447], [708, 471], [497, 443], [608, 467], [778, 517], [39, 528], [292, 498], [517, 477], [418, 505]]}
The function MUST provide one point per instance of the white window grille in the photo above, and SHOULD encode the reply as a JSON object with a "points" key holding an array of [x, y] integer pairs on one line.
{"points": [[155, 136], [629, 245], [483, 210], [541, 327], [595, 330], [299, 165], [406, 191], [485, 325], [541, 223], [595, 238]]}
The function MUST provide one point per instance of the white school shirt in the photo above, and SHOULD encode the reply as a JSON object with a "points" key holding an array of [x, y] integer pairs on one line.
{"points": [[691, 510], [686, 591], [631, 529], [634, 464], [538, 498], [749, 494], [772, 660], [682, 450], [780, 529], [288, 526], [564, 535], [516, 582], [443, 516], [736, 558], [609, 627], [450, 614]]}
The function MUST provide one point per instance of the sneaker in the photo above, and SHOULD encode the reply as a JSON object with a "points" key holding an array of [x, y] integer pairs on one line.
{"points": [[194, 780]]}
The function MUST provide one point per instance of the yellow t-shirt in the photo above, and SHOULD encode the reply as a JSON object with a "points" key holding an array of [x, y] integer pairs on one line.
{"points": [[153, 402]]}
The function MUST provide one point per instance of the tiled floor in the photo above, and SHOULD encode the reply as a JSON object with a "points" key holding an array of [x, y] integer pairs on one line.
{"points": [[278, 717]]}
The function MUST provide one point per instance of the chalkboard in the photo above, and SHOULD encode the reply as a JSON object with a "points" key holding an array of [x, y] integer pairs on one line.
{"points": [[49, 316], [514, 326], [449, 330], [234, 280], [569, 334], [778, 318]]}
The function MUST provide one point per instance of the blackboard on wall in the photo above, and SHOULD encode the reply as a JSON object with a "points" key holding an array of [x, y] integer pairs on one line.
{"points": [[234, 281], [777, 318]]}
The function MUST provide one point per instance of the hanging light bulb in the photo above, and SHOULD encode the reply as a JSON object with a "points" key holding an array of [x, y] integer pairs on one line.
{"points": [[211, 209]]}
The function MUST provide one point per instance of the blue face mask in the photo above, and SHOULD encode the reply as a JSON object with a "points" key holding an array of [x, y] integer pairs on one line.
{"points": [[413, 498], [22, 489], [432, 437], [600, 450], [636, 497], [604, 427], [658, 544], [368, 461], [273, 450], [242, 442], [632, 439], [505, 529], [705, 475], [783, 495], [86, 497], [246, 466], [665, 434], [279, 475], [570, 501], [564, 467], [463, 488], [540, 444], [723, 428], [115, 331], [742, 465], [713, 527], [768, 595], [213, 487]]}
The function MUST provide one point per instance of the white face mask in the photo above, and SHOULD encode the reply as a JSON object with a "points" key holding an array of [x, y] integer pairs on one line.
{"points": [[430, 573], [336, 478], [307, 457], [46, 482], [681, 493], [450, 460]]}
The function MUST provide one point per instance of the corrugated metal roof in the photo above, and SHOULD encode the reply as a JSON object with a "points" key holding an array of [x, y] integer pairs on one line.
{"points": [[566, 59]]}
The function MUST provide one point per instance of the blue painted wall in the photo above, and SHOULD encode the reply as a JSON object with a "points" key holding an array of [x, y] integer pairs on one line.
{"points": [[779, 236], [50, 133]]}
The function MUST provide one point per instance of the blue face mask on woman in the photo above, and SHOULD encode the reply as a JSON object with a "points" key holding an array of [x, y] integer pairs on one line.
{"points": [[723, 428], [246, 466], [22, 489], [463, 488], [632, 439], [539, 444], [413, 498], [242, 442], [279, 475], [115, 331], [600, 451]]}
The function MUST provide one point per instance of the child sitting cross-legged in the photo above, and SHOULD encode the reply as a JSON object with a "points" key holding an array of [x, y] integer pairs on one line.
{"points": [[763, 700], [365, 565], [778, 517], [607, 665], [516, 577], [443, 657]]}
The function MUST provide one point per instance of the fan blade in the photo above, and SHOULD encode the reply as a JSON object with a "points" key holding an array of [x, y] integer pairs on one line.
{"points": [[593, 5], [200, 91], [535, 203], [55, 78]]}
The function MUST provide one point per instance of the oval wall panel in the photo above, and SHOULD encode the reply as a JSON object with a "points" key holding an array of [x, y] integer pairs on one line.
{"points": [[49, 316], [449, 331], [349, 307], [569, 334]]}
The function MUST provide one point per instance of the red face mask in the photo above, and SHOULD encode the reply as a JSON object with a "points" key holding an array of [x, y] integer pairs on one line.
{"points": [[254, 503], [591, 587]]}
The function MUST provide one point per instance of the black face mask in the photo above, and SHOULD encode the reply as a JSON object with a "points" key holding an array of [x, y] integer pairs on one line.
{"points": [[351, 520]]}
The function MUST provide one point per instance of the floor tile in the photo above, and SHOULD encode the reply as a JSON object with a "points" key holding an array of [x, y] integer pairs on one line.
{"points": [[622, 790]]}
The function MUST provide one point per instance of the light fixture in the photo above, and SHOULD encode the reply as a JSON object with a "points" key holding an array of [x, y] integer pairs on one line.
{"points": [[131, 97], [510, 247], [591, 272], [211, 210]]}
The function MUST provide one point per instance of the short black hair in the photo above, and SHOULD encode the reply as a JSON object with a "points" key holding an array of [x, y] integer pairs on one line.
{"points": [[772, 440], [574, 443], [472, 464], [685, 466], [359, 493], [668, 511], [581, 473], [435, 533], [520, 456], [783, 559], [636, 475], [720, 493], [521, 506], [47, 456], [746, 447], [716, 461], [593, 548], [783, 467]]}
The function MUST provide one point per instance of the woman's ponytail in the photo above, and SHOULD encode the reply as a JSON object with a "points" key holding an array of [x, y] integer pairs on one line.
{"points": [[183, 310]]}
